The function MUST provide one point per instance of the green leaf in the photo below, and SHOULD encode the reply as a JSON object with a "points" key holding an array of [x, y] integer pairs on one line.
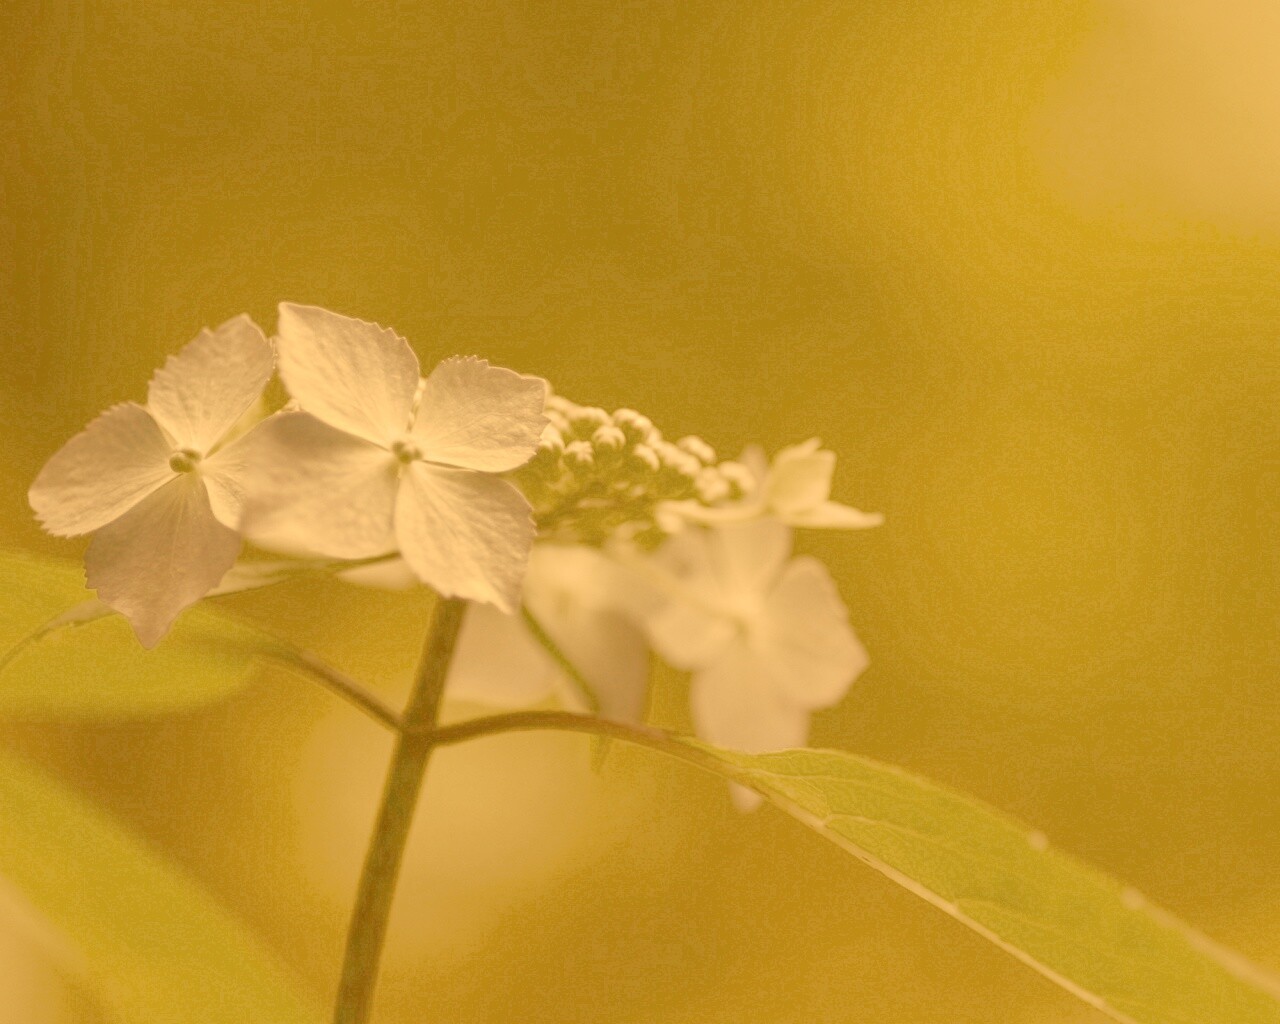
{"points": [[1096, 938], [98, 669], [157, 947]]}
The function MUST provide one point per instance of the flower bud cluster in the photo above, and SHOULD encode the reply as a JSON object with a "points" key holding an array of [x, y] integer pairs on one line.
{"points": [[598, 474]]}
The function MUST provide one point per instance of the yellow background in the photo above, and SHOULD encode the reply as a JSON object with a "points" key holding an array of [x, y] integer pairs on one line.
{"points": [[1015, 262]]}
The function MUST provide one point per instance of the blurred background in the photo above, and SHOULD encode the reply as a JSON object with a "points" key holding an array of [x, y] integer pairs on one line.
{"points": [[1015, 262]]}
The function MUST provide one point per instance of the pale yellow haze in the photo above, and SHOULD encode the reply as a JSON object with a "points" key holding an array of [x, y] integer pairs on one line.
{"points": [[1015, 263]]}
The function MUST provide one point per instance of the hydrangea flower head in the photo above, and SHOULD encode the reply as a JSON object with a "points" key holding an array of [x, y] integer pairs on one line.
{"points": [[601, 476], [376, 459], [157, 485]]}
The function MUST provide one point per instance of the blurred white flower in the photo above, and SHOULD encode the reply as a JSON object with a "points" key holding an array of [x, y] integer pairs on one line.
{"points": [[578, 596], [158, 485], [378, 460], [584, 600], [767, 639], [795, 489]]}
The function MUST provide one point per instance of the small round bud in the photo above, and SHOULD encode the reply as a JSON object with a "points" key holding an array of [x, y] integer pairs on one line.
{"points": [[558, 420], [646, 458], [586, 421], [677, 460], [667, 521], [559, 405], [740, 479], [634, 425], [552, 439], [184, 460], [711, 486], [578, 456], [608, 439], [698, 448]]}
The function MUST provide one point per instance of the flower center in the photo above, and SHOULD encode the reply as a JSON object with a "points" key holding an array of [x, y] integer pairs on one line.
{"points": [[405, 451], [184, 460]]}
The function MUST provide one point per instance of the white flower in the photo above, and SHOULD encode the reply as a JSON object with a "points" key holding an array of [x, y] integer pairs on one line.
{"points": [[767, 639], [795, 489], [156, 485], [586, 603], [378, 460], [579, 597]]}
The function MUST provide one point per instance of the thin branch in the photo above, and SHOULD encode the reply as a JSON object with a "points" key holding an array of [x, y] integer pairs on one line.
{"points": [[568, 721], [307, 664], [561, 659]]}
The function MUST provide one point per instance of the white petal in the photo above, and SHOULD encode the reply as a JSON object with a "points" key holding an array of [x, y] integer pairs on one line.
{"points": [[355, 375], [748, 556], [577, 595], [228, 474], [254, 575], [478, 416], [695, 617], [630, 582], [200, 393], [686, 558], [754, 458], [102, 472], [498, 662], [830, 515], [611, 653], [466, 534], [227, 496], [250, 418], [800, 478], [804, 637], [161, 557], [585, 575], [689, 636], [736, 705], [313, 489]]}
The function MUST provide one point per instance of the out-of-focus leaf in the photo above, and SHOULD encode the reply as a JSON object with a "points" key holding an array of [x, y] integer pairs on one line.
{"points": [[92, 666], [1096, 938], [157, 947], [43, 977]]}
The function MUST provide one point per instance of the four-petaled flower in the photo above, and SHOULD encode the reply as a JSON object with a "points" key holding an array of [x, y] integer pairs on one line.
{"points": [[767, 639], [159, 486], [379, 460]]}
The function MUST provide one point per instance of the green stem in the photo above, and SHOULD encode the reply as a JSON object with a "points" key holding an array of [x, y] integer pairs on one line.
{"points": [[414, 744]]}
